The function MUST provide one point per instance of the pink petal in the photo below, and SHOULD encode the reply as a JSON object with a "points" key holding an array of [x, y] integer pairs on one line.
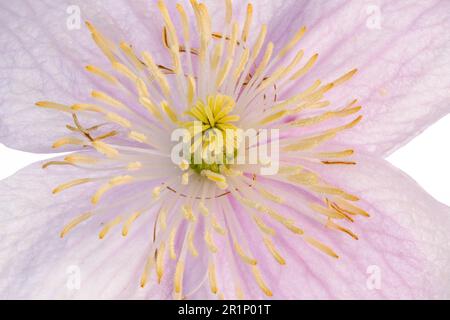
{"points": [[403, 77], [402, 253], [36, 263], [42, 59]]}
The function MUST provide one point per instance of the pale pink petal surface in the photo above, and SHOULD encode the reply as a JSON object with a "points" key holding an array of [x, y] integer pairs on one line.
{"points": [[332, 216], [402, 52], [392, 44]]}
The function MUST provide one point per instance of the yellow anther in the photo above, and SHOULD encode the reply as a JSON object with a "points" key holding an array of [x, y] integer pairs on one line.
{"points": [[129, 222], [263, 227], [137, 136], [216, 226], [203, 209], [188, 213], [107, 99], [105, 149], [148, 266], [87, 107], [191, 245], [109, 226], [172, 237], [71, 184], [214, 176], [178, 277], [125, 71], [171, 114], [243, 255], [160, 261], [259, 280], [80, 159], [156, 192], [273, 251], [131, 55], [293, 42], [114, 182], [75, 222], [322, 247], [67, 141], [53, 105], [212, 278], [150, 106], [210, 242], [121, 121], [134, 166], [248, 22], [102, 74]]}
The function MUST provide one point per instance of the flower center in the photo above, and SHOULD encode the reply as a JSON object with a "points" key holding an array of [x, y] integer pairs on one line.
{"points": [[212, 133]]}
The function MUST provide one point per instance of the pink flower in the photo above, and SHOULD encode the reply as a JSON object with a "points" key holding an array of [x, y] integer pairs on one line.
{"points": [[336, 221]]}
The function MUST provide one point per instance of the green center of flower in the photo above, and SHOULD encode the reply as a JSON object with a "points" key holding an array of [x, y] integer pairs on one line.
{"points": [[213, 143]]}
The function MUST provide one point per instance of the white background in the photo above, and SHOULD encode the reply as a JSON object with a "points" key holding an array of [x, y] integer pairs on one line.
{"points": [[426, 159]]}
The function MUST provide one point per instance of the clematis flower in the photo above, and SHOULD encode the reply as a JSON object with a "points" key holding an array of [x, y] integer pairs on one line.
{"points": [[345, 82]]}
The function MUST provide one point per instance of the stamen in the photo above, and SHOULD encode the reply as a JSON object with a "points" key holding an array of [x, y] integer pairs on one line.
{"points": [[162, 218], [273, 251], [75, 222], [330, 224], [192, 249], [259, 280], [229, 11], [248, 22], [160, 261], [350, 208], [67, 141], [216, 226], [137, 136], [223, 73], [173, 234], [148, 104], [80, 158], [131, 55], [169, 112], [263, 227], [334, 191], [104, 44], [156, 192], [105, 98], [212, 278], [54, 106], [188, 213], [322, 247], [121, 121], [105, 149], [243, 256], [203, 209], [70, 184], [191, 89], [109, 226], [210, 242], [304, 70], [178, 278], [148, 266], [114, 182], [125, 71], [129, 222], [293, 42], [102, 74]]}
